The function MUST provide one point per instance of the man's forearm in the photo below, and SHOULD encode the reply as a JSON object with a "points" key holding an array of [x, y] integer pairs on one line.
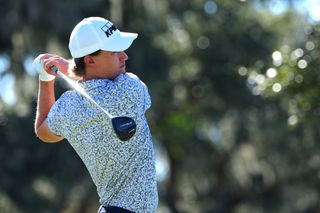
{"points": [[46, 98]]}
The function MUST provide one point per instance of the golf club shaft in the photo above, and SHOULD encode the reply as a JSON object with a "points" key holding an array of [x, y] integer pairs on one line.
{"points": [[79, 89]]}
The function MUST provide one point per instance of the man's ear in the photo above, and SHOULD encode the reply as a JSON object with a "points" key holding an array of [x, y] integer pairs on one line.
{"points": [[88, 60]]}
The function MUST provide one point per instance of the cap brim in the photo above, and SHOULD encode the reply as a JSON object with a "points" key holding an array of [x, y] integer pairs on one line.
{"points": [[120, 42]]}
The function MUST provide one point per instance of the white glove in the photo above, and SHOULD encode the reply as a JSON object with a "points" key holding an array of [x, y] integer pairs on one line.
{"points": [[38, 66]]}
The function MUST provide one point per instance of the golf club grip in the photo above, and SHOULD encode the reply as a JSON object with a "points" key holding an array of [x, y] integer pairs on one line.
{"points": [[56, 70]]}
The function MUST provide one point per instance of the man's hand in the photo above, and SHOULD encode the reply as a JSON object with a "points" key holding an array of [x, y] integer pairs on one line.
{"points": [[43, 63], [38, 66]]}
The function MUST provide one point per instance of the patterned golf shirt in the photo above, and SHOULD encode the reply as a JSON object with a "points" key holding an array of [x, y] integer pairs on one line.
{"points": [[123, 171]]}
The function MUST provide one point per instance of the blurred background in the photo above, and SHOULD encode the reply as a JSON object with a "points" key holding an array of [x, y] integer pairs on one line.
{"points": [[236, 105]]}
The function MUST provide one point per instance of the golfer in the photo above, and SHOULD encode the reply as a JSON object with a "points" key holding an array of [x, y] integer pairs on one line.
{"points": [[123, 171]]}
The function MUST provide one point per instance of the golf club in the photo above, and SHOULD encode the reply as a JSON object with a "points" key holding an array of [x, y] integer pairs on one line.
{"points": [[124, 127]]}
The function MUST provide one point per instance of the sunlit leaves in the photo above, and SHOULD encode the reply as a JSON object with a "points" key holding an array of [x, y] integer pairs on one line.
{"points": [[292, 77]]}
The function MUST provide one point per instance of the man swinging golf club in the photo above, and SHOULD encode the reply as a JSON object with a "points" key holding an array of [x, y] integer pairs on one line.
{"points": [[121, 166]]}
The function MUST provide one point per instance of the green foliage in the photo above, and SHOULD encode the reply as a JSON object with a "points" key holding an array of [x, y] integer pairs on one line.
{"points": [[292, 79]]}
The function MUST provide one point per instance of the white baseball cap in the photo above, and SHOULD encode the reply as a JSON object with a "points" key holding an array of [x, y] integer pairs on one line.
{"points": [[96, 33]]}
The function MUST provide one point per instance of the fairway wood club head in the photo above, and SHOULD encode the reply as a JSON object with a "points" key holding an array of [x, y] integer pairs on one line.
{"points": [[124, 127]]}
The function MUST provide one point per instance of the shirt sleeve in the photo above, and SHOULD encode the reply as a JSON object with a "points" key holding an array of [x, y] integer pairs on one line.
{"points": [[146, 96], [56, 119]]}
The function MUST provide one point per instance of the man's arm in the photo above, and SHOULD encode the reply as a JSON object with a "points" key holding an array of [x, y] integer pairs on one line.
{"points": [[46, 98]]}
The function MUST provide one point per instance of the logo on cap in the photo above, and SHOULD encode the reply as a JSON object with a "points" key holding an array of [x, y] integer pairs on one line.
{"points": [[108, 29]]}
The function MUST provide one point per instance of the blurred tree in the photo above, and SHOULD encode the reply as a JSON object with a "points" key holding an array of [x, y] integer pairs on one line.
{"points": [[242, 154]]}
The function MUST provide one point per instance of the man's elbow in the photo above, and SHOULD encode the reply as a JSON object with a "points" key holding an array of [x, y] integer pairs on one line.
{"points": [[45, 134], [48, 137]]}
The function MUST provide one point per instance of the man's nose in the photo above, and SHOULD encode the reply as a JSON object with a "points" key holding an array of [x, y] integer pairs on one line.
{"points": [[123, 56]]}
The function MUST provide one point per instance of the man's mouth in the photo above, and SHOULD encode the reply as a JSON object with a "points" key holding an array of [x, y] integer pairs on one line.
{"points": [[123, 66]]}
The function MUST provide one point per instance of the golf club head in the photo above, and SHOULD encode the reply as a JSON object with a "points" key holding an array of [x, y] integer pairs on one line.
{"points": [[124, 127]]}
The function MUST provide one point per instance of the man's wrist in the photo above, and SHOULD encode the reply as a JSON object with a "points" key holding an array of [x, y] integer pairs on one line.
{"points": [[46, 77]]}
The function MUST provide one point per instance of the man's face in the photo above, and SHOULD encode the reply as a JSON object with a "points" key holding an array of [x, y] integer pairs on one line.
{"points": [[106, 65]]}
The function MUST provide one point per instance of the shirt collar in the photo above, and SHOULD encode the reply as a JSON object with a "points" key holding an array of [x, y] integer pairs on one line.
{"points": [[94, 83]]}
